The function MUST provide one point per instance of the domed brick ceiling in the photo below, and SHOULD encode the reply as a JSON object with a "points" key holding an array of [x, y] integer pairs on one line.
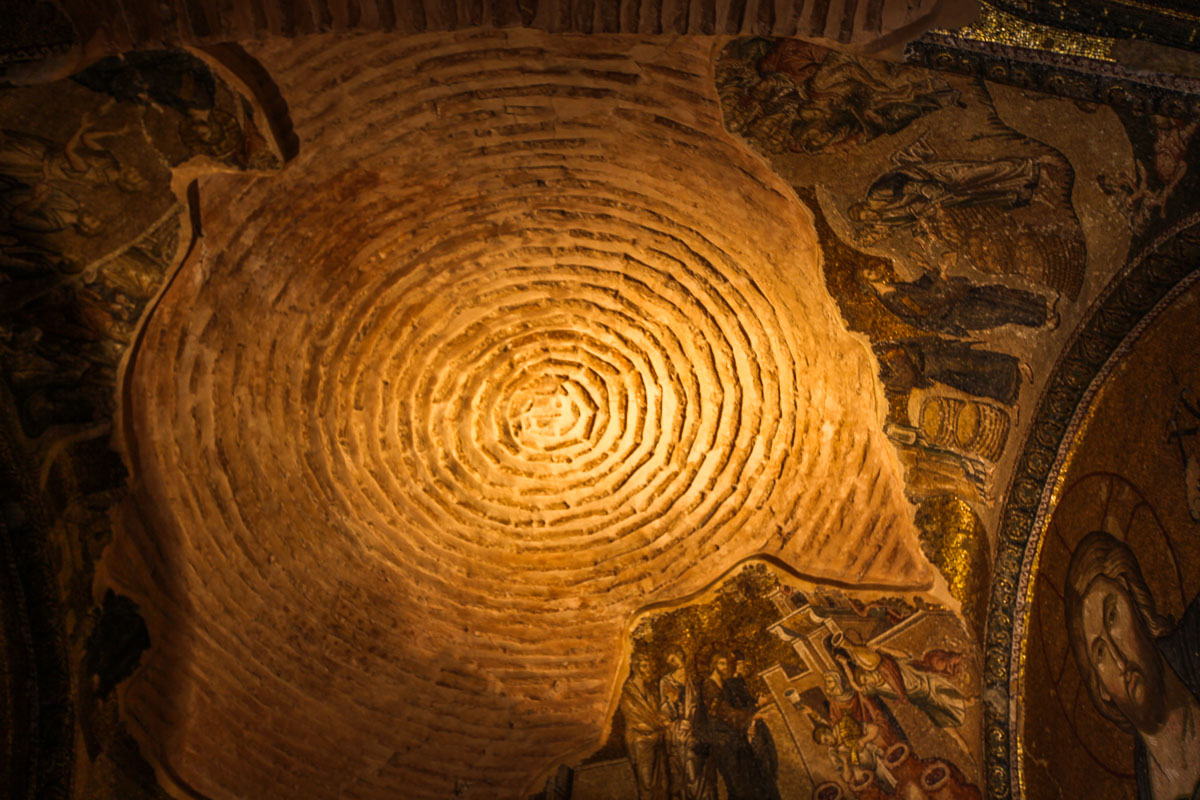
{"points": [[520, 344]]}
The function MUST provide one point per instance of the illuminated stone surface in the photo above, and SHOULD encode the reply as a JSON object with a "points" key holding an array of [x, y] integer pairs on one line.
{"points": [[522, 342]]}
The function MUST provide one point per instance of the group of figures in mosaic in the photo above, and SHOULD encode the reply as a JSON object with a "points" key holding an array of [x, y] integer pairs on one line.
{"points": [[910, 250], [951, 236], [772, 689], [955, 234], [690, 729], [916, 240], [955, 258]]}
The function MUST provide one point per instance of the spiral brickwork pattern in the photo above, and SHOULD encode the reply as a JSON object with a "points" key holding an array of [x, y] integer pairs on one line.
{"points": [[521, 343]]}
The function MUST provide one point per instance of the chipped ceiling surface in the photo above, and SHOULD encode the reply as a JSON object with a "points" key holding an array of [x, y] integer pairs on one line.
{"points": [[597, 401], [527, 376]]}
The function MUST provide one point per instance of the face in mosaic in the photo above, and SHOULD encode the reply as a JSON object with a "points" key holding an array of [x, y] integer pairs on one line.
{"points": [[1113, 659], [816, 223]]}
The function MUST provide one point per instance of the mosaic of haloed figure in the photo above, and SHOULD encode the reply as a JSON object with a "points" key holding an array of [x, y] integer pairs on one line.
{"points": [[1114, 704], [1141, 669], [772, 687]]}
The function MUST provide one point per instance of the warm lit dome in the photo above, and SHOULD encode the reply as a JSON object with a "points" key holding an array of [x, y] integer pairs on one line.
{"points": [[521, 342]]}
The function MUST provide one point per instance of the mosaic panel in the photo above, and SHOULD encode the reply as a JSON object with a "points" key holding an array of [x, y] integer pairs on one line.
{"points": [[768, 686], [1112, 664]]}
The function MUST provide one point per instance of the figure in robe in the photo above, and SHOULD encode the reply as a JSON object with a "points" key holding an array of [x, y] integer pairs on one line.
{"points": [[645, 730], [840, 103], [907, 364], [1140, 667], [865, 710], [44, 209], [878, 673], [41, 182], [922, 184], [726, 728], [955, 305], [1143, 197], [854, 751], [763, 771], [691, 772], [82, 161]]}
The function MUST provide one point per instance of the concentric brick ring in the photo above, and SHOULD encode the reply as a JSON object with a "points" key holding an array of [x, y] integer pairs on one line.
{"points": [[674, 368], [522, 342]]}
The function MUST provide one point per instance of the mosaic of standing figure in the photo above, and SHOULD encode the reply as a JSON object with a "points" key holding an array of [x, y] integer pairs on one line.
{"points": [[1113, 657], [771, 687]]}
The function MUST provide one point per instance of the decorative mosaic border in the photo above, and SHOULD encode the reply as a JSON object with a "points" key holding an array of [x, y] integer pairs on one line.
{"points": [[1074, 77], [1160, 23], [1149, 283]]}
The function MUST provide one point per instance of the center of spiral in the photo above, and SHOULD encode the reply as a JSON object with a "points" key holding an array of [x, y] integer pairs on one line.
{"points": [[549, 413]]}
